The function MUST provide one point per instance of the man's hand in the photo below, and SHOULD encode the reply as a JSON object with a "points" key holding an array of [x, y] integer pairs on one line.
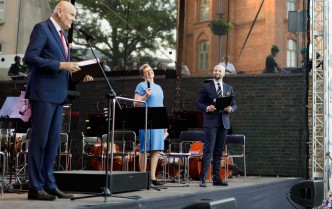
{"points": [[69, 66], [211, 108], [228, 109], [87, 78]]}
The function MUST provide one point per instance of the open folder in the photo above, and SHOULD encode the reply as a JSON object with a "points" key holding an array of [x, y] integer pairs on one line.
{"points": [[223, 102], [88, 67]]}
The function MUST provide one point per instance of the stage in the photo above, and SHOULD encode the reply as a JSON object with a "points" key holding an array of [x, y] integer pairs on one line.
{"points": [[253, 192]]}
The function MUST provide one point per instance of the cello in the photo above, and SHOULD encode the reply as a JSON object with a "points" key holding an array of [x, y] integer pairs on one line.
{"points": [[196, 151], [97, 160]]}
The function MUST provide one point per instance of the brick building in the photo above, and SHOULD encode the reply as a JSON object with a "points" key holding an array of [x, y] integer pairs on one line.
{"points": [[17, 19], [201, 46]]}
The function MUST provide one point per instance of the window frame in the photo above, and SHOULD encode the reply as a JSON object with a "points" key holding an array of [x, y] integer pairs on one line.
{"points": [[203, 55], [291, 57], [203, 10], [2, 11]]}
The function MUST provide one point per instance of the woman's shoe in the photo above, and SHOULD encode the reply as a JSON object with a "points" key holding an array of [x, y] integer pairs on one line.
{"points": [[156, 183]]}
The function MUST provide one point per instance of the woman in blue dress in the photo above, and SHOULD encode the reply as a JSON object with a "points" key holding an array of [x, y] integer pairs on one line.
{"points": [[153, 95]]}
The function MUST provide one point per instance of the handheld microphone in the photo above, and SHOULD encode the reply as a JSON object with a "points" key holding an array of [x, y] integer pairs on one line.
{"points": [[85, 33], [148, 82]]}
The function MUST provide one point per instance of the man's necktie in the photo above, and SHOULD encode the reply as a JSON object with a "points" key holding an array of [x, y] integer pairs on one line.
{"points": [[219, 92], [64, 43]]}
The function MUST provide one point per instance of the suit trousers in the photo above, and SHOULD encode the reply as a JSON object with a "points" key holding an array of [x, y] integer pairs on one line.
{"points": [[214, 142], [44, 144]]}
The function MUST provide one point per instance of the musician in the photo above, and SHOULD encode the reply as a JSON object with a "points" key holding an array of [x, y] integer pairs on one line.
{"points": [[49, 58], [17, 71], [153, 95], [216, 124], [270, 64]]}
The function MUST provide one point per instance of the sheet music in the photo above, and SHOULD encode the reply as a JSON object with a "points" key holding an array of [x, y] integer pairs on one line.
{"points": [[8, 106], [17, 108], [87, 62]]}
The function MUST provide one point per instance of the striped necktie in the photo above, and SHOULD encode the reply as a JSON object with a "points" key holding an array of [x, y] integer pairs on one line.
{"points": [[64, 43], [219, 92]]}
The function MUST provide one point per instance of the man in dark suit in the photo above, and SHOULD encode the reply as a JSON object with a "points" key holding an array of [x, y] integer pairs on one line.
{"points": [[49, 59], [216, 123]]}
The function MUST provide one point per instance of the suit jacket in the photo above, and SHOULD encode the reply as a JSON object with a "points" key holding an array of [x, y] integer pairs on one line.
{"points": [[206, 96], [45, 51]]}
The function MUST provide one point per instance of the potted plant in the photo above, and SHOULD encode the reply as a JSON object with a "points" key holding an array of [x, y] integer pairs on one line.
{"points": [[220, 26]]}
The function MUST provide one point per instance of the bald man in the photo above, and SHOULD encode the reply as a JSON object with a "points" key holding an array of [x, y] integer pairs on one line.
{"points": [[49, 60], [216, 123]]}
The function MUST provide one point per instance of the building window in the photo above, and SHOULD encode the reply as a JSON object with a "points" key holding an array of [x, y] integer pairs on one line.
{"points": [[291, 6], [2, 11], [291, 53], [0, 48], [204, 10], [203, 52]]}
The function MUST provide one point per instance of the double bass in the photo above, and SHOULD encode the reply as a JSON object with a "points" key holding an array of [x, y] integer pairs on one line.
{"points": [[196, 149]]}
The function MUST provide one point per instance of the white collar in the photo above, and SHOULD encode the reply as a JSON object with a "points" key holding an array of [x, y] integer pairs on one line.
{"points": [[56, 25]]}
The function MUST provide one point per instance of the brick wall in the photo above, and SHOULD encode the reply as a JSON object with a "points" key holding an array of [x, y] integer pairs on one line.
{"points": [[271, 114]]}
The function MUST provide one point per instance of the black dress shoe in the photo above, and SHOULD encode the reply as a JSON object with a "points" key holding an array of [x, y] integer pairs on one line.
{"points": [[220, 183], [202, 183], [60, 194], [40, 195], [156, 183]]}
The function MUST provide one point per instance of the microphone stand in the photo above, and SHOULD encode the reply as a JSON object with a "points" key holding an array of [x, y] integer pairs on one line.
{"points": [[111, 96]]}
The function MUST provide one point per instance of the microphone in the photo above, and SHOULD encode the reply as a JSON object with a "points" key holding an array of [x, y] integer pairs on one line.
{"points": [[85, 33], [148, 82]]}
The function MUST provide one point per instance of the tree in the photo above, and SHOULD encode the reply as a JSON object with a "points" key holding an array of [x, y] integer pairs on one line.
{"points": [[141, 30], [53, 3]]}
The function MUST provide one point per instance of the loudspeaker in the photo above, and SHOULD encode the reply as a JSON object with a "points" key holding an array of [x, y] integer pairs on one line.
{"points": [[229, 203], [308, 193]]}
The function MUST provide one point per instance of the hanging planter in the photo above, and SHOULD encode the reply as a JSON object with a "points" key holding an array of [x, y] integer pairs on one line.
{"points": [[220, 26]]}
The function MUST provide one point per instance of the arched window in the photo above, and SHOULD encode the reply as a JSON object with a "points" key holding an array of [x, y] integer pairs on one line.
{"points": [[291, 53], [203, 54], [203, 10]]}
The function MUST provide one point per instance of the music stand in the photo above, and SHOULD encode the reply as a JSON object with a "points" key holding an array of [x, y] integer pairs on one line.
{"points": [[156, 118], [14, 110], [111, 100]]}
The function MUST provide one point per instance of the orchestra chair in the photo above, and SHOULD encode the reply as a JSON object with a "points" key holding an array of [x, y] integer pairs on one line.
{"points": [[236, 140], [190, 137], [4, 136], [126, 142], [64, 152], [186, 137], [88, 143], [21, 161], [3, 165]]}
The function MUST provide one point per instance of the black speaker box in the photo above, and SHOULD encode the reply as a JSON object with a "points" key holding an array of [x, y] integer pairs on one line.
{"points": [[94, 181], [308, 193], [229, 203]]}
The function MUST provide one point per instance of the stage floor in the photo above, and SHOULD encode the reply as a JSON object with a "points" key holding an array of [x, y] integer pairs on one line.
{"points": [[252, 192]]}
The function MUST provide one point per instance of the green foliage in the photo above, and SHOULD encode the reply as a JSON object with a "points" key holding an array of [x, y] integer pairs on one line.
{"points": [[53, 3], [146, 27], [220, 26]]}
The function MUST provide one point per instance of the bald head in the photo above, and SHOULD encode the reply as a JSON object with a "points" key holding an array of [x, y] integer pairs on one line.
{"points": [[218, 72], [64, 14]]}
